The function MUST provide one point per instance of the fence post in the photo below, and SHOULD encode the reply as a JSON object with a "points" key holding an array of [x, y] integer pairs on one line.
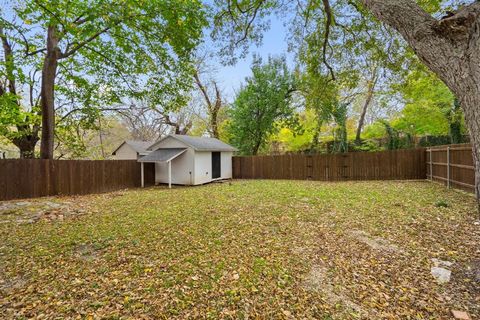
{"points": [[431, 165], [142, 175], [448, 167]]}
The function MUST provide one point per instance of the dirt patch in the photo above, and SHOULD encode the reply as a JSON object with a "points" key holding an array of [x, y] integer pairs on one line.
{"points": [[12, 284], [474, 270], [28, 212], [375, 243], [317, 280]]}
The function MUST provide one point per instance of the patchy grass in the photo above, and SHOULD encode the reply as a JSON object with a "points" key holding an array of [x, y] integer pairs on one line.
{"points": [[268, 249]]}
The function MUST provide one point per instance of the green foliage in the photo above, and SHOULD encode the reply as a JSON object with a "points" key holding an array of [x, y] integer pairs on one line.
{"points": [[428, 102], [15, 121], [339, 114], [456, 126], [238, 24], [72, 132], [366, 146], [375, 130], [298, 141], [263, 104], [392, 135], [441, 204]]}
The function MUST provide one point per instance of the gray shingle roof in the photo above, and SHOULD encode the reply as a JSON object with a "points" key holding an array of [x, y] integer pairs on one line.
{"points": [[162, 155], [137, 145], [201, 143]]}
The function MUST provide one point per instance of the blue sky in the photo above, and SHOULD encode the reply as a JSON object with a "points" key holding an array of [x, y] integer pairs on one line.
{"points": [[274, 43]]}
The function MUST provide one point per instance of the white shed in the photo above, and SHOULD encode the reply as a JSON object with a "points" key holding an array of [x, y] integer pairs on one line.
{"points": [[187, 160]]}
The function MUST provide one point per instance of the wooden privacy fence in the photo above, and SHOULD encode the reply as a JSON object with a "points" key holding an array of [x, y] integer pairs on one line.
{"points": [[385, 165], [22, 178], [452, 165]]}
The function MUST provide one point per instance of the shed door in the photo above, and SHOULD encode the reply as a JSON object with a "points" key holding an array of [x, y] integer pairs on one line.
{"points": [[216, 170]]}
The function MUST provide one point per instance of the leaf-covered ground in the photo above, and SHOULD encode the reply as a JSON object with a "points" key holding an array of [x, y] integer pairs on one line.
{"points": [[245, 249]]}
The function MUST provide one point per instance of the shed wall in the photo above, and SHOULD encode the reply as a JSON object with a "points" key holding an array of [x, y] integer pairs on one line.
{"points": [[182, 169], [226, 164], [182, 166], [203, 167]]}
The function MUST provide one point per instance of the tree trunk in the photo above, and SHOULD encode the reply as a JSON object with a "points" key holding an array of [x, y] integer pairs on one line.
{"points": [[212, 108], [26, 145], [470, 102], [450, 47], [368, 99], [256, 147], [47, 93], [214, 124]]}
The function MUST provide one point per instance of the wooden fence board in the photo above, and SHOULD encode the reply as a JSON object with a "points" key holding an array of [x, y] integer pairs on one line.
{"points": [[29, 178], [397, 164], [458, 171]]}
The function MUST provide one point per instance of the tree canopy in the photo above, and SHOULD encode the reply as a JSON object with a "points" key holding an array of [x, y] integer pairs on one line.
{"points": [[64, 57]]}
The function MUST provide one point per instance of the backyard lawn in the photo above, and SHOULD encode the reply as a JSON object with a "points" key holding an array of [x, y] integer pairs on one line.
{"points": [[243, 249]]}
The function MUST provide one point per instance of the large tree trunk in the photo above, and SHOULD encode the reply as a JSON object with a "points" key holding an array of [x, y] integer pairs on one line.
{"points": [[368, 99], [470, 101], [450, 47], [47, 93]]}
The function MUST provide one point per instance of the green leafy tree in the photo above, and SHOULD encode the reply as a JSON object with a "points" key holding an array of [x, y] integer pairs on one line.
{"points": [[128, 48], [262, 104], [20, 126], [428, 102], [298, 141]]}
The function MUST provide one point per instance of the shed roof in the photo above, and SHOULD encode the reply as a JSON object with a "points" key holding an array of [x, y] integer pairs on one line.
{"points": [[141, 147], [198, 143], [162, 155]]}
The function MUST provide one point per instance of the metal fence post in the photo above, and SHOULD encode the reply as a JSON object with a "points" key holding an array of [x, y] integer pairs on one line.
{"points": [[448, 167]]}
